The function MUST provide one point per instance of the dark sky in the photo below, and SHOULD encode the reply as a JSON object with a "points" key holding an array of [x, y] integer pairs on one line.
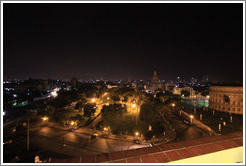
{"points": [[123, 41]]}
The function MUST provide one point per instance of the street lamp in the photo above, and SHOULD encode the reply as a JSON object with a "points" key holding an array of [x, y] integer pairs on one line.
{"points": [[93, 100], [230, 118], [219, 127], [133, 105], [173, 105], [136, 133], [107, 98], [191, 118], [45, 118], [72, 123], [150, 128]]}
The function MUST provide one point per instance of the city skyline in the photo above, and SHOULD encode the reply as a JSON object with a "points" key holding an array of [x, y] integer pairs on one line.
{"points": [[123, 41]]}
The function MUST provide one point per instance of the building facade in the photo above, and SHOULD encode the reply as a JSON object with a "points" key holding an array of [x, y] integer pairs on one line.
{"points": [[177, 91], [226, 99]]}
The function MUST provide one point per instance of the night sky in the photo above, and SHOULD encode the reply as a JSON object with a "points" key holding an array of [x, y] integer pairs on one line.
{"points": [[123, 41]]}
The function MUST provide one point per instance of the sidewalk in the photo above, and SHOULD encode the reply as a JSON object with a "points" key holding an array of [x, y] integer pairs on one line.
{"points": [[199, 123]]}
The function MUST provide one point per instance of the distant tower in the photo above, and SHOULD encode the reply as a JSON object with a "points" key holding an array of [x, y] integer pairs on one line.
{"points": [[154, 82], [155, 78], [74, 82]]}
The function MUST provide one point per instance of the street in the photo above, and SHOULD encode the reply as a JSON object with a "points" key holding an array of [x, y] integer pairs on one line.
{"points": [[185, 131], [49, 140]]}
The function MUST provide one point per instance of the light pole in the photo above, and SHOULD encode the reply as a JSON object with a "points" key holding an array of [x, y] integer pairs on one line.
{"points": [[194, 105], [72, 125], [219, 127], [191, 118], [135, 106], [173, 105], [136, 134], [231, 118], [45, 120]]}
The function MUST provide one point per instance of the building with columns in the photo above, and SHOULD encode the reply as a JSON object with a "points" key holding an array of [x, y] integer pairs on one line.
{"points": [[226, 99]]}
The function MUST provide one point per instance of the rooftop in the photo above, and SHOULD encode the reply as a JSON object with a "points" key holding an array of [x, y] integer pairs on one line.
{"points": [[166, 152]]}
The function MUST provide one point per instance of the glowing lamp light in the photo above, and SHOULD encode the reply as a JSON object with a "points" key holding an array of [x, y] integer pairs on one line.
{"points": [[93, 100], [104, 128], [72, 123], [134, 105], [173, 105], [107, 104], [54, 94], [107, 98], [191, 116], [137, 133], [45, 118], [208, 97]]}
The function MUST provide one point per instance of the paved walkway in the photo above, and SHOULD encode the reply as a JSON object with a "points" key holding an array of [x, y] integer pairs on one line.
{"points": [[198, 123]]}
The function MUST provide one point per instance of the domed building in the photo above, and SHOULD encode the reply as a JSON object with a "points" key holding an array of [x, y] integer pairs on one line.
{"points": [[226, 99]]}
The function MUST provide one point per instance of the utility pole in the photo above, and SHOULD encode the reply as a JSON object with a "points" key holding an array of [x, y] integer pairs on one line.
{"points": [[137, 116], [27, 145]]}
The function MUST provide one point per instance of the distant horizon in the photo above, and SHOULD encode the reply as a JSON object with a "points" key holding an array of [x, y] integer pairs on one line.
{"points": [[144, 80]]}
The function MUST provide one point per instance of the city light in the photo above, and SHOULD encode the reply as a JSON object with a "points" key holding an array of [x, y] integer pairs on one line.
{"points": [[137, 133], [133, 105], [173, 105], [191, 116], [54, 92], [93, 100], [107, 98], [72, 123], [45, 118], [104, 128], [207, 97]]}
